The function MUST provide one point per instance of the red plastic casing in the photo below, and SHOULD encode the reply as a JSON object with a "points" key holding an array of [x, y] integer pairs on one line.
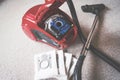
{"points": [[41, 12]]}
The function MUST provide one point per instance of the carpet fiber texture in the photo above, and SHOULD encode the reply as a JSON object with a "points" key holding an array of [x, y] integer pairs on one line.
{"points": [[17, 50]]}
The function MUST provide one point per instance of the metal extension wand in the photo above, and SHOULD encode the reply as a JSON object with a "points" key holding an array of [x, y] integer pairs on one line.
{"points": [[95, 9], [89, 39]]}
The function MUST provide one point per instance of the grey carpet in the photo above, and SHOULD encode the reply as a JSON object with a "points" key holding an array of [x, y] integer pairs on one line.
{"points": [[17, 51]]}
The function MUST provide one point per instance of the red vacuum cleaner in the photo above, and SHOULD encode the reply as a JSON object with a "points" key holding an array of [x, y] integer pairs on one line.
{"points": [[48, 24]]}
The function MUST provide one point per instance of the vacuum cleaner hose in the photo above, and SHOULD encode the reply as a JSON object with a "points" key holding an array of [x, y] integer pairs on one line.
{"points": [[98, 53]]}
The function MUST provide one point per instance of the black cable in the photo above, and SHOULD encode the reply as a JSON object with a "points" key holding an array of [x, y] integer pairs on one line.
{"points": [[98, 53], [75, 19]]}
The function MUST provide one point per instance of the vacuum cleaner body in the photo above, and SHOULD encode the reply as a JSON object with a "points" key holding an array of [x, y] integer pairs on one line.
{"points": [[48, 24]]}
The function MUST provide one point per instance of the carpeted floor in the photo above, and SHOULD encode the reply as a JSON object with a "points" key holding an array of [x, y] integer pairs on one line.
{"points": [[17, 50]]}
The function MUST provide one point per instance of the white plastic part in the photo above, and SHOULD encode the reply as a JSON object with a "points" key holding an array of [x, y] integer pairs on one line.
{"points": [[45, 65], [54, 65], [61, 61], [68, 59]]}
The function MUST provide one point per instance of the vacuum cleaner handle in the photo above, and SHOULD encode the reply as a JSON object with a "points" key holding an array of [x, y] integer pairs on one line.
{"points": [[48, 5]]}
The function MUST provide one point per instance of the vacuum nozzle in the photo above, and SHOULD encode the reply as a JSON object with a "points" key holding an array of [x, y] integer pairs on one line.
{"points": [[95, 9]]}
